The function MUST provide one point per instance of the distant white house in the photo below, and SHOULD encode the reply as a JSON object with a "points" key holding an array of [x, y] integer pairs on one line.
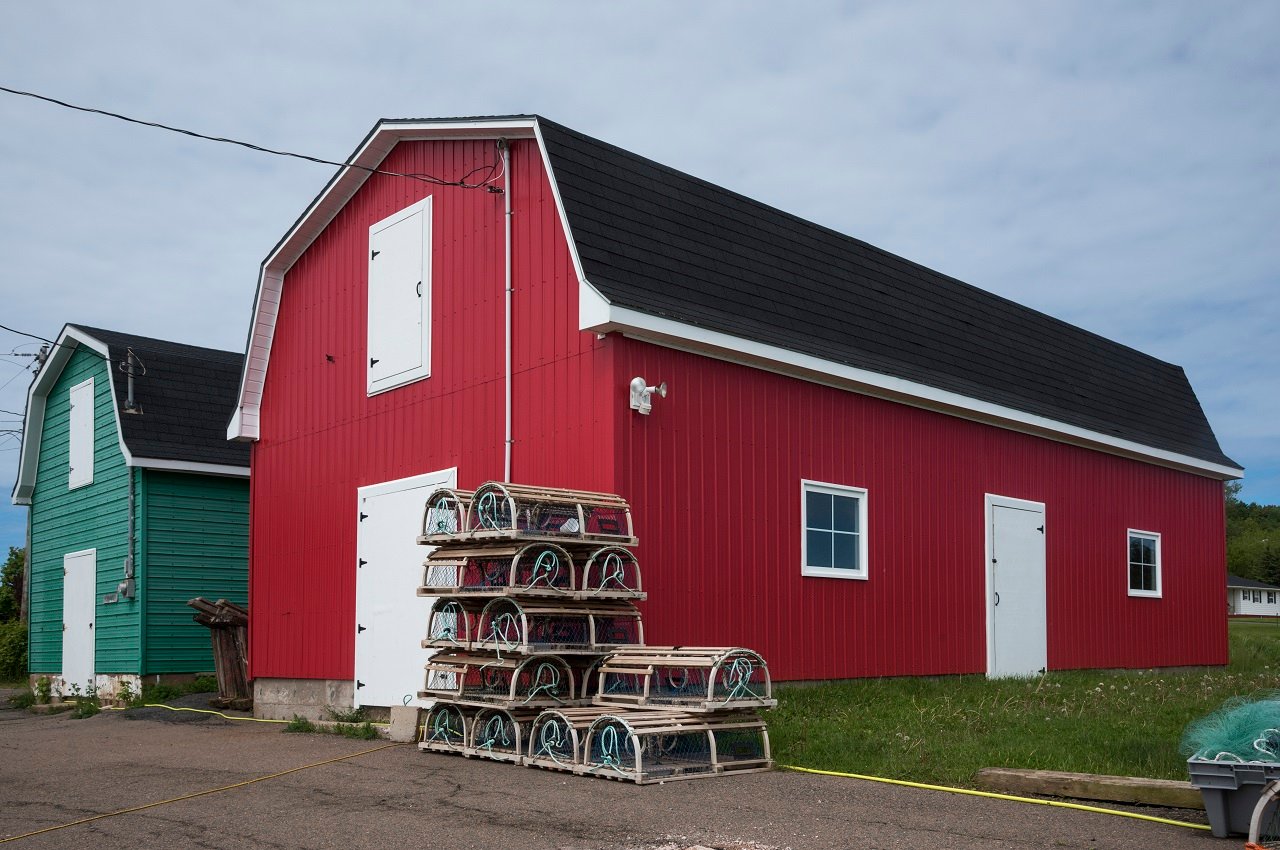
{"points": [[1249, 598]]}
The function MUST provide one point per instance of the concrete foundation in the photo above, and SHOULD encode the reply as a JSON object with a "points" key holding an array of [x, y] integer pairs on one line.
{"points": [[281, 699]]}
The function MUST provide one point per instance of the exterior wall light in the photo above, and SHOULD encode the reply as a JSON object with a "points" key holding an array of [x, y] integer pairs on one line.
{"points": [[642, 395]]}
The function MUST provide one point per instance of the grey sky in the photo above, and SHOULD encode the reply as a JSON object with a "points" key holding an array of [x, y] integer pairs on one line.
{"points": [[1112, 164]]}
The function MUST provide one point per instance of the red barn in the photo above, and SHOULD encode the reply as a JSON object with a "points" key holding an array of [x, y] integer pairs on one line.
{"points": [[862, 467]]}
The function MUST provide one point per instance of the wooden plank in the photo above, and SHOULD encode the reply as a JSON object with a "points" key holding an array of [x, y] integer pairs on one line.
{"points": [[1089, 786]]}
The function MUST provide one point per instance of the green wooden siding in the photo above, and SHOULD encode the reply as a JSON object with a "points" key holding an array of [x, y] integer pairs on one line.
{"points": [[196, 543], [95, 516]]}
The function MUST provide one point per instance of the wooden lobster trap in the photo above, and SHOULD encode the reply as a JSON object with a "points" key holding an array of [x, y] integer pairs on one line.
{"points": [[687, 678], [519, 510], [529, 569], [500, 734], [515, 682], [446, 729], [657, 746], [536, 625], [557, 735], [611, 572], [444, 516], [452, 623]]}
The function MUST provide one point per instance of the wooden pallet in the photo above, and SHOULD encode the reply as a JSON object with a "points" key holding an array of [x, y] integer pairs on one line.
{"points": [[686, 678]]}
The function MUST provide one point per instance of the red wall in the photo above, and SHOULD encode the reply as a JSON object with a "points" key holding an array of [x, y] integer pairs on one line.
{"points": [[322, 437], [713, 475]]}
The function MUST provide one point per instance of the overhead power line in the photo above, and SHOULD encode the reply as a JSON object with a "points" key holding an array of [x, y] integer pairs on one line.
{"points": [[494, 170]]}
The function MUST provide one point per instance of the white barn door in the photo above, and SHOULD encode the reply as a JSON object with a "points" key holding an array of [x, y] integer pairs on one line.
{"points": [[79, 606], [1017, 631], [391, 619]]}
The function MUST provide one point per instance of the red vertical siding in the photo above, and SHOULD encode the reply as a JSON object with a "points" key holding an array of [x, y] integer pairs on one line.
{"points": [[714, 479], [322, 437]]}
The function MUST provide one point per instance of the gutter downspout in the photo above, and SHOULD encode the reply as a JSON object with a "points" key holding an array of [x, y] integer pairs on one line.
{"points": [[505, 147]]}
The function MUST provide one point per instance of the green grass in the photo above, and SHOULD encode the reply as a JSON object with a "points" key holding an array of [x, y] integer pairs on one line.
{"points": [[362, 731], [942, 730]]}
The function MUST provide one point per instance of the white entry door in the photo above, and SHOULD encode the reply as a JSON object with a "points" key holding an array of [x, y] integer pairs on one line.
{"points": [[79, 604], [1017, 633], [391, 619]]}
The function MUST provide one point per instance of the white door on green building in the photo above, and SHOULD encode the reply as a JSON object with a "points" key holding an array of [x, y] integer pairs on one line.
{"points": [[391, 618], [79, 598]]}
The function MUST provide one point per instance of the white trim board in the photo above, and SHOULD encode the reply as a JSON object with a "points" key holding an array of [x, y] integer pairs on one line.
{"points": [[596, 313], [65, 346]]}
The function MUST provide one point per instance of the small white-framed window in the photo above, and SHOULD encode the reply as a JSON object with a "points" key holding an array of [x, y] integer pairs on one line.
{"points": [[833, 530], [1257, 596], [1271, 597], [1144, 563]]}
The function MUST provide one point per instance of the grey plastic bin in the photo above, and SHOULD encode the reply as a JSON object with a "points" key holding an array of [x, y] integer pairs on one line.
{"points": [[1230, 790]]}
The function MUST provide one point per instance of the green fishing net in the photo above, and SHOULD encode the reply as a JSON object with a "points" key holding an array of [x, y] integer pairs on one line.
{"points": [[1243, 729]]}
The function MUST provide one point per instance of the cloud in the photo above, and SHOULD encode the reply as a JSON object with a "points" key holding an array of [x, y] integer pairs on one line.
{"points": [[1116, 173]]}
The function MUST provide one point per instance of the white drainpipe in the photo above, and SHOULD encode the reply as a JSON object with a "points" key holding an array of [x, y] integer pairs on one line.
{"points": [[506, 180]]}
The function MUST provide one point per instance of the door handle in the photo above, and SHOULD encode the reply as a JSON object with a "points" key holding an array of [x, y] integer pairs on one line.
{"points": [[997, 598]]}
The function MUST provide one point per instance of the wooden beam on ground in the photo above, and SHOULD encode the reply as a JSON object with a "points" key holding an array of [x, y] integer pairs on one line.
{"points": [[1089, 786]]}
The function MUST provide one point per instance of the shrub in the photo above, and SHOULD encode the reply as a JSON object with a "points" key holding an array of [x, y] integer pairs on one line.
{"points": [[300, 724], [13, 651], [25, 699]]}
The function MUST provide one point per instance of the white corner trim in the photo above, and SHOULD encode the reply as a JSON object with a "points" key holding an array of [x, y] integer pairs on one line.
{"points": [[721, 346], [222, 469]]}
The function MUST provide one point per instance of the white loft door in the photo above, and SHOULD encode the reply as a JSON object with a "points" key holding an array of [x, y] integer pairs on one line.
{"points": [[79, 598], [391, 619], [1016, 605], [80, 462], [399, 298]]}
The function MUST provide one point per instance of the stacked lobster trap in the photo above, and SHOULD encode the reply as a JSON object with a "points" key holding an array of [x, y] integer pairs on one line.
{"points": [[540, 654]]}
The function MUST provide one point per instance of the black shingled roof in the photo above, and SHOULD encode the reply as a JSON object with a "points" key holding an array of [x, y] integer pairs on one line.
{"points": [[186, 396], [1237, 581], [667, 244]]}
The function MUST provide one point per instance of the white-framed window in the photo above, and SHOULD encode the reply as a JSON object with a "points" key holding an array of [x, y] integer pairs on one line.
{"points": [[1271, 597], [1257, 596], [399, 318], [80, 422], [833, 530], [1144, 563]]}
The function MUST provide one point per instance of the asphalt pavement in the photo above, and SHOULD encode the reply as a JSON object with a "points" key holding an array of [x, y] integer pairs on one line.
{"points": [[55, 770]]}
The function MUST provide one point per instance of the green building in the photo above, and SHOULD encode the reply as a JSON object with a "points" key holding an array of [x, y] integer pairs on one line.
{"points": [[137, 503]]}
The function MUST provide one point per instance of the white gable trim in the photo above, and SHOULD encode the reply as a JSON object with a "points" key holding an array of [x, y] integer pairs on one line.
{"points": [[671, 334], [67, 342], [65, 345], [340, 189], [595, 313]]}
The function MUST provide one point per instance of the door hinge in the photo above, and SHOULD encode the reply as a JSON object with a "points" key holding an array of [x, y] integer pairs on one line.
{"points": [[361, 563], [1040, 529], [359, 684], [372, 360], [363, 517], [374, 254], [359, 628]]}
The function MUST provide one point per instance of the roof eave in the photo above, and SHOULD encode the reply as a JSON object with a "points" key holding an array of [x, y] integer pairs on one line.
{"points": [[605, 318]]}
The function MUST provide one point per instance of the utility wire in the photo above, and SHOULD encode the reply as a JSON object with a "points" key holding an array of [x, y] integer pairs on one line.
{"points": [[422, 177]]}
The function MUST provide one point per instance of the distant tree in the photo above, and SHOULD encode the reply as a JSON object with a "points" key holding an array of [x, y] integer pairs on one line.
{"points": [[11, 575], [1269, 563]]}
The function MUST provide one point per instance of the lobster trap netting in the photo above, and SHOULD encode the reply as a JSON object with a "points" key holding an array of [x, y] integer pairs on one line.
{"points": [[617, 627], [528, 626], [688, 678], [1242, 730], [451, 624], [445, 729], [611, 573], [655, 746], [445, 515], [513, 682], [555, 737], [536, 568], [499, 734], [499, 509]]}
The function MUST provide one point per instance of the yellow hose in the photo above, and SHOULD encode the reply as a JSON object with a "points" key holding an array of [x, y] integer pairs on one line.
{"points": [[197, 793], [220, 714], [995, 796]]}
